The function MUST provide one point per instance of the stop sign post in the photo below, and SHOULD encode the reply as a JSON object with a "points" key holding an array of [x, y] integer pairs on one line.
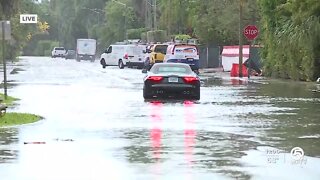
{"points": [[251, 32]]}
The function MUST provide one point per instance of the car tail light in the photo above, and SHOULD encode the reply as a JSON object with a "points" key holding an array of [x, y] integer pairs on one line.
{"points": [[155, 78], [126, 56], [190, 79]]}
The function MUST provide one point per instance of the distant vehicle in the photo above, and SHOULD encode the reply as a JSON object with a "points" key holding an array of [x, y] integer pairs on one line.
{"points": [[86, 49], [147, 64], [154, 54], [71, 54], [183, 53], [129, 55], [171, 80], [58, 52], [158, 51]]}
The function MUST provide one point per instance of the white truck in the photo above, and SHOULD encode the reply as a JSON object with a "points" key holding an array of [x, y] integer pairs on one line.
{"points": [[129, 55], [86, 49]]}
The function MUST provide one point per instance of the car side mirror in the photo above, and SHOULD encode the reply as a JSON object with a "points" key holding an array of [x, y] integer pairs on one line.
{"points": [[148, 51], [144, 71]]}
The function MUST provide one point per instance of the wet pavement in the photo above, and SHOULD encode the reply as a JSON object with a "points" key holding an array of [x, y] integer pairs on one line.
{"points": [[97, 126]]}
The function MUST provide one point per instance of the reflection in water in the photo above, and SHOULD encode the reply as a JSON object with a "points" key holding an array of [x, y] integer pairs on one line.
{"points": [[189, 132], [8, 137], [155, 133], [302, 121], [238, 81], [138, 150]]}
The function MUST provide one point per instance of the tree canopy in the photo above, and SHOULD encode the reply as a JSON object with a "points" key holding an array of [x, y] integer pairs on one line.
{"points": [[289, 29]]}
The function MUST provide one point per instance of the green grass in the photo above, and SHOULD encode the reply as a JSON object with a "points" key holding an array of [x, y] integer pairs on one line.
{"points": [[10, 119], [9, 101]]}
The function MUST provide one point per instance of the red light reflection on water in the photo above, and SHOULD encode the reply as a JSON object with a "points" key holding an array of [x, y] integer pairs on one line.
{"points": [[156, 131], [156, 134], [189, 131], [238, 82]]}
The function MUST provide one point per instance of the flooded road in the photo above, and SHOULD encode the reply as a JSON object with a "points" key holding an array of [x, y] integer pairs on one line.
{"points": [[97, 126]]}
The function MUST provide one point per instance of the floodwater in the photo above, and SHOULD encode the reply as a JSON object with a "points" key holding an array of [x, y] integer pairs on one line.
{"points": [[97, 126]]}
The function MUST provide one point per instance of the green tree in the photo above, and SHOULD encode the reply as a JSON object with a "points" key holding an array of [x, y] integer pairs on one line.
{"points": [[11, 10], [212, 21], [119, 19], [291, 35]]}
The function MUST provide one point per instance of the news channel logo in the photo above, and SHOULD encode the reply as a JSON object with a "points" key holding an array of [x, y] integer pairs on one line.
{"points": [[297, 157], [28, 18], [297, 153]]}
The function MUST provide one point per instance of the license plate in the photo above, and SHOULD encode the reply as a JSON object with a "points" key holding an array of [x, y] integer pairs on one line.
{"points": [[173, 79], [190, 59]]}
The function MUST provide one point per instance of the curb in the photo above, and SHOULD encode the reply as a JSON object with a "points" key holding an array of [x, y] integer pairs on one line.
{"points": [[211, 70]]}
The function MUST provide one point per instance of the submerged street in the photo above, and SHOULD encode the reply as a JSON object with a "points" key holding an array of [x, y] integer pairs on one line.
{"points": [[98, 126]]}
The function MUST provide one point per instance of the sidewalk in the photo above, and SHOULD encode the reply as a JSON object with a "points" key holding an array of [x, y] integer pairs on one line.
{"points": [[210, 70], [219, 73]]}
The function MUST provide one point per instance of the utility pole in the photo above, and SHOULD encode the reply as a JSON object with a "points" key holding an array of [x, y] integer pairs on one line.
{"points": [[146, 13], [149, 15], [169, 18], [240, 37], [56, 15], [4, 61], [180, 17], [125, 23], [155, 15]]}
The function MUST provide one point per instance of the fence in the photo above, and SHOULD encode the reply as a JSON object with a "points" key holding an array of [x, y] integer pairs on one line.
{"points": [[209, 57], [212, 56]]}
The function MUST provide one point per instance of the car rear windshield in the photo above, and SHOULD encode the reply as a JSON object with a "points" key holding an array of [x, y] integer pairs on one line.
{"points": [[171, 69], [161, 49], [186, 49], [58, 48]]}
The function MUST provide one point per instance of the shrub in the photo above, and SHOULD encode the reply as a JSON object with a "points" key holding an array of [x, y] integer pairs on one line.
{"points": [[156, 36]]}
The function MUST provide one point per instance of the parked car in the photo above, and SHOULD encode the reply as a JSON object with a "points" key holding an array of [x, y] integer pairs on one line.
{"points": [[71, 54], [58, 52], [183, 53], [171, 80], [147, 64], [129, 55], [158, 51]]}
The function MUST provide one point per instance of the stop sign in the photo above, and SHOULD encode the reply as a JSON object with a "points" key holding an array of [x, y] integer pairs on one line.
{"points": [[251, 32]]}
